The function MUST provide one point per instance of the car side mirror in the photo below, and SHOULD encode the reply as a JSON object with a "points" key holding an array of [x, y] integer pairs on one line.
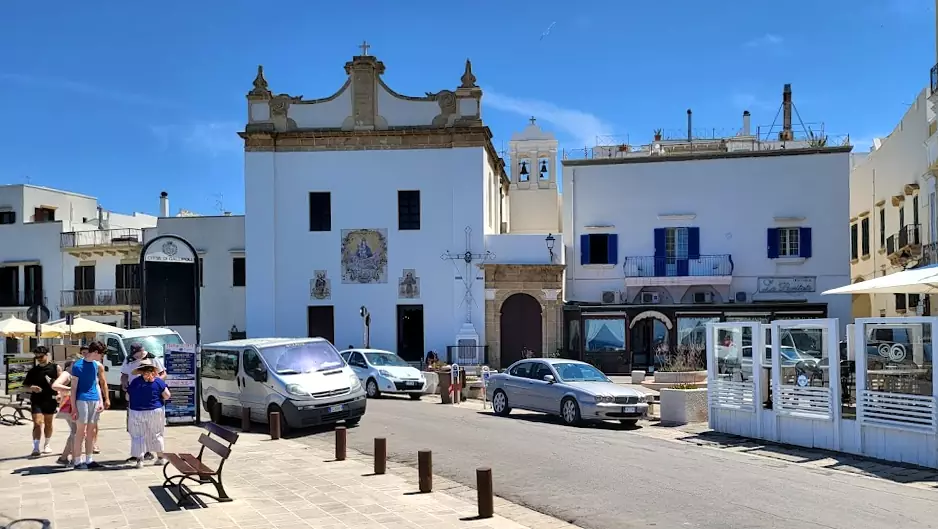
{"points": [[549, 379], [259, 375]]}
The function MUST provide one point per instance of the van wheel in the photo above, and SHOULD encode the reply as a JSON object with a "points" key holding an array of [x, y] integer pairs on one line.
{"points": [[371, 389], [284, 426], [210, 406]]}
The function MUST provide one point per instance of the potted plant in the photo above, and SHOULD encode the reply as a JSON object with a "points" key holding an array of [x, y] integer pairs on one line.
{"points": [[657, 134], [683, 400], [684, 366]]}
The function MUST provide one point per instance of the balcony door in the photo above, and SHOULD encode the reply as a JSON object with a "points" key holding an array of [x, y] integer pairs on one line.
{"points": [[32, 291], [675, 249], [84, 285], [127, 282], [9, 286]]}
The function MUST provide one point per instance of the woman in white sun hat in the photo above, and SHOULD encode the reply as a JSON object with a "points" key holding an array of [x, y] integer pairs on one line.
{"points": [[147, 394]]}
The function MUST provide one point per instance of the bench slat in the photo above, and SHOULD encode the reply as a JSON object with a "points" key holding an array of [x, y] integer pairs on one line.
{"points": [[198, 466], [181, 465], [213, 445], [224, 433]]}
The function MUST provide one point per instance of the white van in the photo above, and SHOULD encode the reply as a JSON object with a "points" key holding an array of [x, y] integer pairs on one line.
{"points": [[118, 348], [304, 379]]}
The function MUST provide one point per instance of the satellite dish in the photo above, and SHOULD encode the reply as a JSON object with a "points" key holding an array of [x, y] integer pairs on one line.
{"points": [[38, 314]]}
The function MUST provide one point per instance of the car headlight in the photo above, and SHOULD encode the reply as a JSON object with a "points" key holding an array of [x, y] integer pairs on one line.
{"points": [[384, 373], [296, 389], [641, 398], [604, 399], [354, 382]]}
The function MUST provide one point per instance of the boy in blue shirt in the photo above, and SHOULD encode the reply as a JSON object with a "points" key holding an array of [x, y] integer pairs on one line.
{"points": [[87, 404]]}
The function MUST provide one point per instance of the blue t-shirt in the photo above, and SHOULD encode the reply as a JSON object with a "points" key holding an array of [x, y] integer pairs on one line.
{"points": [[86, 373], [146, 395]]}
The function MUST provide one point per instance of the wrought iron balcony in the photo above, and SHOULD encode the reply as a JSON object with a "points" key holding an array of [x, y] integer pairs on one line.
{"points": [[703, 266], [21, 298], [122, 237], [907, 238], [100, 298]]}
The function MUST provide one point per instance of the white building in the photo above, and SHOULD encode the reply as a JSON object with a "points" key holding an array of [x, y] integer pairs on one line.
{"points": [[892, 212], [368, 198], [66, 252], [662, 238]]}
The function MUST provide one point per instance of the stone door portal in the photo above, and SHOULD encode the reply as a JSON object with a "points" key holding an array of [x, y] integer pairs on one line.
{"points": [[520, 328]]}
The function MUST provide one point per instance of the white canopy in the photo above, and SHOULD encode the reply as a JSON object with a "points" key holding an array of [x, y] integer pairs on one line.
{"points": [[16, 327], [915, 281], [85, 326]]}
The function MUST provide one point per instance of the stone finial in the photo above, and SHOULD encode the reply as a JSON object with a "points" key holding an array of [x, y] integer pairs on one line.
{"points": [[260, 90], [468, 80]]}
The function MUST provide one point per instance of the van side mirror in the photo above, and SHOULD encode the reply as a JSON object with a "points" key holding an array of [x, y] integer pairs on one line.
{"points": [[259, 375]]}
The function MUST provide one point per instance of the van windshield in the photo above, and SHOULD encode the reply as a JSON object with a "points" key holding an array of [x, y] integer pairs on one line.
{"points": [[152, 344], [299, 358]]}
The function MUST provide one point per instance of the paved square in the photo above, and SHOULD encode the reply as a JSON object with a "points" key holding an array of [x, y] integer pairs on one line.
{"points": [[275, 484]]}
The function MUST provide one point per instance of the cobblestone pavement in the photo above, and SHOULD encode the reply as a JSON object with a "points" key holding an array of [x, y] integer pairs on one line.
{"points": [[275, 484]]}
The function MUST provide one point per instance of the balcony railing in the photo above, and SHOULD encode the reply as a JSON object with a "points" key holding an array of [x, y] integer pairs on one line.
{"points": [[102, 238], [21, 298], [100, 298], [705, 265]]}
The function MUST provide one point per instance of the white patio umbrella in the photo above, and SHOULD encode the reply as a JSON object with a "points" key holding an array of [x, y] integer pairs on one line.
{"points": [[915, 281], [85, 326], [18, 328]]}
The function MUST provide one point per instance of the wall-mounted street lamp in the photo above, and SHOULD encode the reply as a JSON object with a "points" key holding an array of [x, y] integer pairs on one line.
{"points": [[366, 325], [550, 240]]}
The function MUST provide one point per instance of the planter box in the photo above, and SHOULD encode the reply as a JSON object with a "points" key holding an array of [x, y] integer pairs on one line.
{"points": [[638, 377], [433, 382], [680, 377], [682, 406]]}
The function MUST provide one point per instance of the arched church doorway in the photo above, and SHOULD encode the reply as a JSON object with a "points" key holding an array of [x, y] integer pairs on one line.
{"points": [[519, 328]]}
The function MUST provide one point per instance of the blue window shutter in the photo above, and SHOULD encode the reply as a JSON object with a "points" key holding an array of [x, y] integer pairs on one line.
{"points": [[804, 242], [612, 249], [584, 249], [772, 243], [659, 242], [693, 243]]}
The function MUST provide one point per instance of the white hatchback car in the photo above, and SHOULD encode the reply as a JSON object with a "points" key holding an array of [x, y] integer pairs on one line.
{"points": [[385, 372]]}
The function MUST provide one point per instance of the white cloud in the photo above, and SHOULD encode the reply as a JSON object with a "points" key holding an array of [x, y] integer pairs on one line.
{"points": [[87, 89], [582, 127], [207, 137], [765, 41], [749, 101]]}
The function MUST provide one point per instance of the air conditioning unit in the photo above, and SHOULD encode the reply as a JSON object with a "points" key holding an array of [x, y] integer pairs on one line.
{"points": [[650, 297], [610, 297], [740, 297], [703, 297]]}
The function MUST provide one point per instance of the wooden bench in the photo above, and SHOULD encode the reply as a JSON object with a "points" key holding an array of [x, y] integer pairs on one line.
{"points": [[13, 409], [193, 468]]}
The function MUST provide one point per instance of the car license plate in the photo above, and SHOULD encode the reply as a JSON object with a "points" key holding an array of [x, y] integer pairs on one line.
{"points": [[334, 409], [413, 384], [628, 409]]}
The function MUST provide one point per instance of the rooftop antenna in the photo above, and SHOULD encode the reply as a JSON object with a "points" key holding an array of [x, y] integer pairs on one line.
{"points": [[219, 202]]}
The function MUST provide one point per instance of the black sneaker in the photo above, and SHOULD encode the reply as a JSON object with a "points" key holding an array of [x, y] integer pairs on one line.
{"points": [[148, 456], [94, 464], [131, 459]]}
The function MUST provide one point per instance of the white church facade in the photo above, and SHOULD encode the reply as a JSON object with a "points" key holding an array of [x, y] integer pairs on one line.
{"points": [[372, 201]]}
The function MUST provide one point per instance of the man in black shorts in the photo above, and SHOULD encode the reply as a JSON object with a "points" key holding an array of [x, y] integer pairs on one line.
{"points": [[39, 381]]}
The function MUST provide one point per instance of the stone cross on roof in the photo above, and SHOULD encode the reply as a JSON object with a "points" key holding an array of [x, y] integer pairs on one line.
{"points": [[364, 46], [533, 120]]}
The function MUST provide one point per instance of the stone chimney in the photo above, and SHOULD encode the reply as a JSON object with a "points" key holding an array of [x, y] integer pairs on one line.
{"points": [[747, 130], [164, 204], [786, 134]]}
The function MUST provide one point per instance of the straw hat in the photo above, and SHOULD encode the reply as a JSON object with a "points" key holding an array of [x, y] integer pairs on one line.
{"points": [[144, 365]]}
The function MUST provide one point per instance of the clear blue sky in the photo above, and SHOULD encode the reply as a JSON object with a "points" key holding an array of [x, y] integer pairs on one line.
{"points": [[125, 99]]}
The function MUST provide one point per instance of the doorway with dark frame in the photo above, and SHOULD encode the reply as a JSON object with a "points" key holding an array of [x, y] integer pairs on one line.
{"points": [[320, 322], [410, 332]]}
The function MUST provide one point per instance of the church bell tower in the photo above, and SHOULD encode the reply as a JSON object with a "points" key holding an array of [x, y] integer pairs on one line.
{"points": [[533, 200]]}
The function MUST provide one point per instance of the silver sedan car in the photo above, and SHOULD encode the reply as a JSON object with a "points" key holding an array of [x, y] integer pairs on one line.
{"points": [[575, 391]]}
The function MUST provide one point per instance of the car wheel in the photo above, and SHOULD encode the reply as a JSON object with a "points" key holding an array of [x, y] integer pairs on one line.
{"points": [[415, 396], [284, 426], [500, 403], [570, 412], [371, 389], [631, 423], [352, 422]]}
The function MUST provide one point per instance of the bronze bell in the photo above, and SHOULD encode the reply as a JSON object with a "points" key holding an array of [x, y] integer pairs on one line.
{"points": [[524, 168], [543, 168]]}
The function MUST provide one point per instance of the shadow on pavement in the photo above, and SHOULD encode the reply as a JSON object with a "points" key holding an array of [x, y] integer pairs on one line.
{"points": [[550, 419]]}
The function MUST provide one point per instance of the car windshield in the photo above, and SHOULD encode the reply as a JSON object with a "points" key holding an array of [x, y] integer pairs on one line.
{"points": [[790, 353], [570, 372], [304, 357], [153, 344], [385, 359]]}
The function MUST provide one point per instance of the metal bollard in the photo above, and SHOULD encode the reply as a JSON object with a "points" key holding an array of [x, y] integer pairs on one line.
{"points": [[486, 493], [381, 455], [216, 413], [341, 442], [274, 420], [425, 470], [245, 419]]}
